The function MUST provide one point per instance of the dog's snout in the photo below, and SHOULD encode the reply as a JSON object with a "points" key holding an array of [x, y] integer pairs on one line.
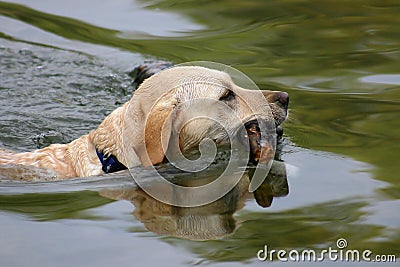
{"points": [[283, 99]]}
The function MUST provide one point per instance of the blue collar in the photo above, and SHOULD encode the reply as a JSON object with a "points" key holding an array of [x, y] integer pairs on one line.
{"points": [[110, 163]]}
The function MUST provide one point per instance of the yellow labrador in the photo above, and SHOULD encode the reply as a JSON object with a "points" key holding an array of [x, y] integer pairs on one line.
{"points": [[133, 134]]}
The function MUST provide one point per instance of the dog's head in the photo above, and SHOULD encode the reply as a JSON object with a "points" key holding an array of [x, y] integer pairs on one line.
{"points": [[194, 103]]}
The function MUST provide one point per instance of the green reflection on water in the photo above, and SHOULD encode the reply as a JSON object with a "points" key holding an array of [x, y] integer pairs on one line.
{"points": [[44, 207], [316, 228]]}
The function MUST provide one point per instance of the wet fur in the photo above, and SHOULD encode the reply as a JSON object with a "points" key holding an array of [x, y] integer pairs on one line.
{"points": [[152, 102]]}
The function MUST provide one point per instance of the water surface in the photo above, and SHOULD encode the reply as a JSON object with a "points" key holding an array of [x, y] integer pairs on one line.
{"points": [[64, 67]]}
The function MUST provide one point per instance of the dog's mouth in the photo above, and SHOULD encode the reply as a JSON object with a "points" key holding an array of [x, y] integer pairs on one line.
{"points": [[261, 150]]}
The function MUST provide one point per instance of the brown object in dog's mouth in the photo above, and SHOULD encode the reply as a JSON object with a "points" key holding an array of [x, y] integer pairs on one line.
{"points": [[260, 150]]}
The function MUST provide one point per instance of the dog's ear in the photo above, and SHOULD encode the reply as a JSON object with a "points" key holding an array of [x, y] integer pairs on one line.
{"points": [[157, 130]]}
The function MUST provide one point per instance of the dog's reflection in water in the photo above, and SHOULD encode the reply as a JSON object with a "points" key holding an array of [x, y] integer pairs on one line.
{"points": [[211, 221]]}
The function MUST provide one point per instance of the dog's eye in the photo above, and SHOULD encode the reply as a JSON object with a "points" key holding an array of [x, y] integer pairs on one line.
{"points": [[228, 96]]}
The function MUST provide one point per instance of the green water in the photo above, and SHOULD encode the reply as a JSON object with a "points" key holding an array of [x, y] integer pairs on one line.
{"points": [[64, 66]]}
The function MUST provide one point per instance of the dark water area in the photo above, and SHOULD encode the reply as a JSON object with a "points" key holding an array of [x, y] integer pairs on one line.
{"points": [[64, 66]]}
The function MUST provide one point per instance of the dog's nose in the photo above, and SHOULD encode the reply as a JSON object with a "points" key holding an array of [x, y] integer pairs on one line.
{"points": [[283, 98]]}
